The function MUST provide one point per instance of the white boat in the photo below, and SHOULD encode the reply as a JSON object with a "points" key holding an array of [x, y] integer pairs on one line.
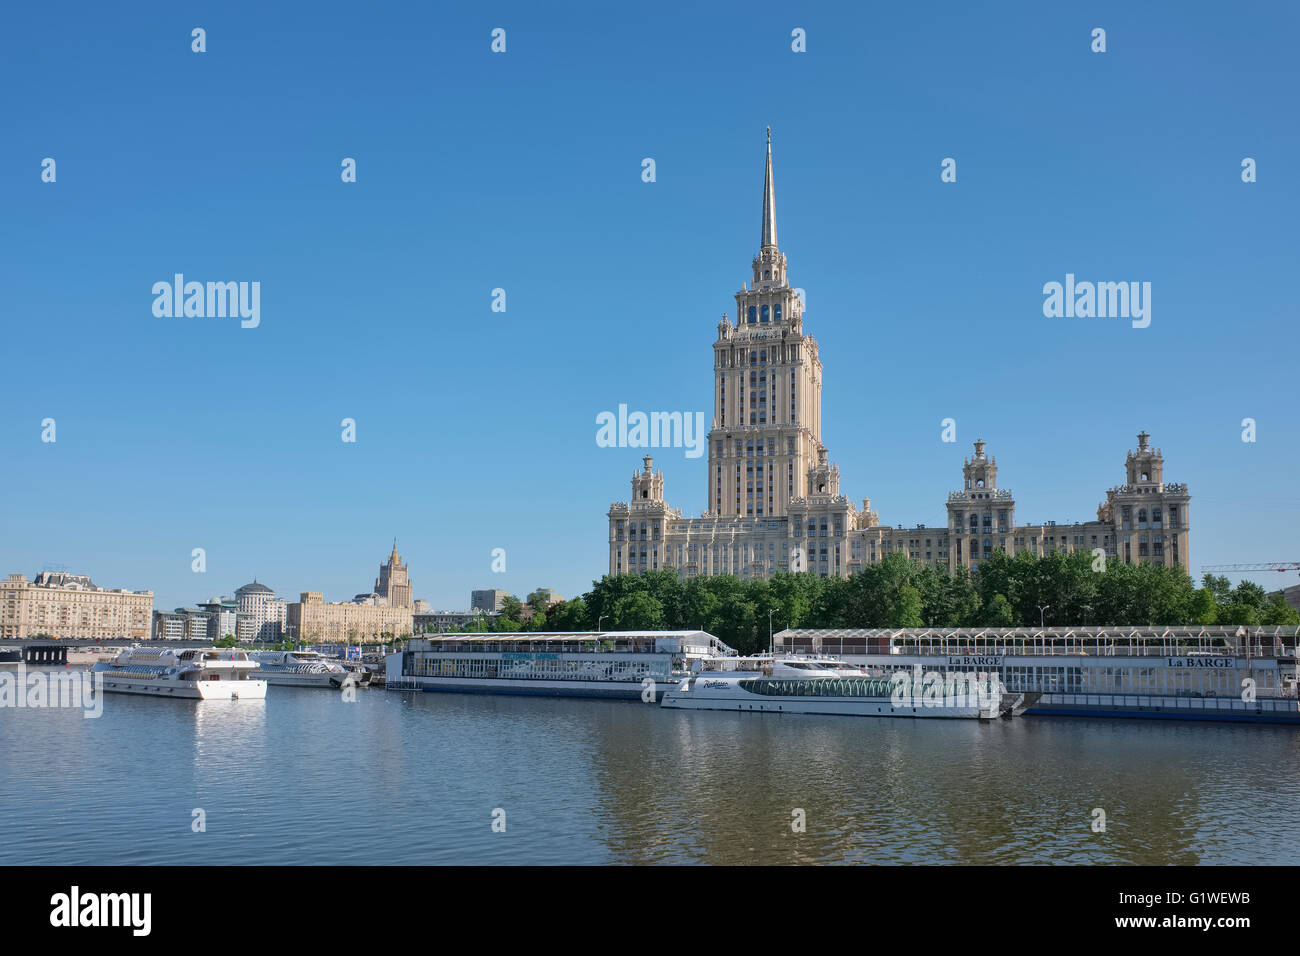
{"points": [[808, 685], [300, 669], [1175, 672], [206, 673], [630, 665]]}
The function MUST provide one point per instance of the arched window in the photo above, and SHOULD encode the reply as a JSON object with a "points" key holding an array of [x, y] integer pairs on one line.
{"points": [[1142, 516], [766, 315], [752, 313], [776, 312]]}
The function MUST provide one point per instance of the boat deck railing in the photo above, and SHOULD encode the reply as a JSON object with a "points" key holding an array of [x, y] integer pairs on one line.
{"points": [[538, 647]]}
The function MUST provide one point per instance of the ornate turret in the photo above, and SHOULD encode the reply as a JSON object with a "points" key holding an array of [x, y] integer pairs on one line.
{"points": [[648, 485], [1145, 466], [980, 471]]}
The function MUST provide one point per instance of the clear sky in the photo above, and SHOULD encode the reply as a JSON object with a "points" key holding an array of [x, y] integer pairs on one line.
{"points": [[523, 171]]}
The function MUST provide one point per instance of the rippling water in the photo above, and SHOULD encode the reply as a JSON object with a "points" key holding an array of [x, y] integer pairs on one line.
{"points": [[304, 777]]}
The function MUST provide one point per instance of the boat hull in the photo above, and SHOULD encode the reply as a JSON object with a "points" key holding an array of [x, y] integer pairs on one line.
{"points": [[290, 679], [186, 690], [830, 706], [1159, 707], [616, 690]]}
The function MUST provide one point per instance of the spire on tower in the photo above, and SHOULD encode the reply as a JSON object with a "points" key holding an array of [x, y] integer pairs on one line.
{"points": [[769, 200]]}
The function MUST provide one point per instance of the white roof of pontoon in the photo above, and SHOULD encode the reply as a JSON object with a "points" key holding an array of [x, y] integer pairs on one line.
{"points": [[540, 636]]}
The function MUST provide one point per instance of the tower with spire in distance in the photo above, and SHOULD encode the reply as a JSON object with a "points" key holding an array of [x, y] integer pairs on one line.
{"points": [[394, 581], [774, 502], [765, 441]]}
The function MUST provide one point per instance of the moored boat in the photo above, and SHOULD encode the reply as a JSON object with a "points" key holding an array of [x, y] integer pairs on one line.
{"points": [[1189, 672], [207, 673], [300, 669], [806, 685], [632, 665]]}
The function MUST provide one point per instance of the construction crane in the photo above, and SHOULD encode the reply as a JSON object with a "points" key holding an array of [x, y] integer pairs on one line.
{"points": [[1262, 566]]}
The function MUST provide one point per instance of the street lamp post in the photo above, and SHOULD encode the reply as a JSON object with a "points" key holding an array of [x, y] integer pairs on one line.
{"points": [[598, 620], [771, 644], [1041, 609]]}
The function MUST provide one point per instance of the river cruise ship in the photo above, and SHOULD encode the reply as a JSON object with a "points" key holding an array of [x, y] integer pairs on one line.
{"points": [[206, 673], [814, 685], [635, 665], [1187, 673], [299, 669]]}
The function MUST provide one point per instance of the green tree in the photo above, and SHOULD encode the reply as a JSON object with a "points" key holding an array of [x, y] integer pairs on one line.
{"points": [[570, 616], [638, 612], [1277, 611], [512, 608]]}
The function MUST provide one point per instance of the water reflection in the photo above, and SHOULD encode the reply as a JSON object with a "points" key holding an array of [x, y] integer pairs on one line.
{"points": [[305, 777]]}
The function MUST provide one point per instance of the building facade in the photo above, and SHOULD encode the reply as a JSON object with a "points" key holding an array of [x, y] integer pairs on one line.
{"points": [[311, 619], [487, 599], [192, 624], [69, 606], [262, 613], [773, 496], [394, 582]]}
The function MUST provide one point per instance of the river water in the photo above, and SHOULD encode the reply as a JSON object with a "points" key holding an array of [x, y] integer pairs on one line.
{"points": [[305, 777]]}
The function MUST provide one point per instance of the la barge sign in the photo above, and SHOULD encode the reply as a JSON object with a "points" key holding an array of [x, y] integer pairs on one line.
{"points": [[988, 661], [1224, 663]]}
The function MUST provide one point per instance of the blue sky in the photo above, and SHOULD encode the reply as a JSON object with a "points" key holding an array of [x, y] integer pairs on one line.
{"points": [[522, 170]]}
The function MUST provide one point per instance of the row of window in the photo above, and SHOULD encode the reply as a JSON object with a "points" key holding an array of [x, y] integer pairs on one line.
{"points": [[822, 687], [760, 314]]}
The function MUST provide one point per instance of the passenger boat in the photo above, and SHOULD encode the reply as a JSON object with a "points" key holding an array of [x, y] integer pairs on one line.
{"points": [[208, 673], [299, 669], [618, 664], [809, 685], [1246, 674]]}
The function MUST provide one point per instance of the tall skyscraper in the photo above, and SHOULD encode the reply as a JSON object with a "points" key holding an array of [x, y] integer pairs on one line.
{"points": [[394, 581], [773, 498]]}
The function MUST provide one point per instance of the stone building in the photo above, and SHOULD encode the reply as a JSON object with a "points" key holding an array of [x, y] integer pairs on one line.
{"points": [[70, 606], [773, 496], [385, 612], [487, 599], [184, 624], [262, 613], [394, 582], [311, 619]]}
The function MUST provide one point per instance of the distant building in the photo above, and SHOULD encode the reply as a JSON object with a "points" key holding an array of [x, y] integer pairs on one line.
{"points": [[487, 600], [552, 598], [1292, 596], [384, 612], [263, 613], [183, 624], [312, 619], [223, 617], [394, 581], [70, 606]]}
